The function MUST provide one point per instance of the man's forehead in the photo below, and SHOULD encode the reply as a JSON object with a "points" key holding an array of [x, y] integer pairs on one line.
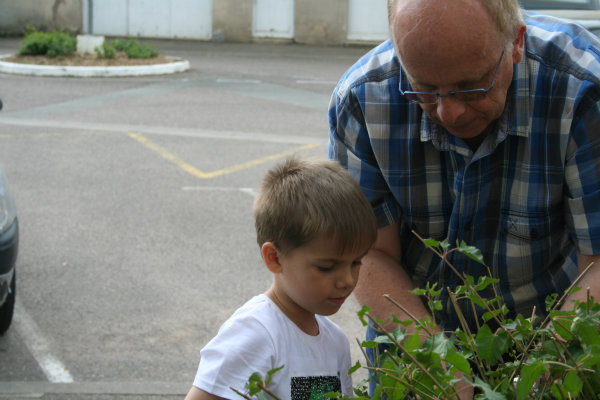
{"points": [[436, 25]]}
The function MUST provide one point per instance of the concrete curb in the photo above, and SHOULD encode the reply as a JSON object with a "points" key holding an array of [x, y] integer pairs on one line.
{"points": [[83, 72], [39, 389]]}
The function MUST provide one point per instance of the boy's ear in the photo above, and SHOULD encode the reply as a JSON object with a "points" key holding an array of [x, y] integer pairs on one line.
{"points": [[270, 255]]}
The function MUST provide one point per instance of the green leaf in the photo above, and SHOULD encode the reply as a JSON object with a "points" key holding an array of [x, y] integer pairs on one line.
{"points": [[488, 392], [458, 360], [484, 281], [362, 315], [418, 292], [431, 243], [368, 344], [490, 346], [470, 251], [489, 315], [529, 374], [476, 299], [270, 374], [354, 368], [412, 342], [551, 301], [444, 244], [586, 329], [383, 339], [591, 358], [399, 334], [573, 384]]}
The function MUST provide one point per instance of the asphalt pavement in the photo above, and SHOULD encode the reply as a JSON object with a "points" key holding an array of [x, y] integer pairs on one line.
{"points": [[134, 198]]}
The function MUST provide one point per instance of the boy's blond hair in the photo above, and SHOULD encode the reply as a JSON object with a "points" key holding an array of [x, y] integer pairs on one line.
{"points": [[302, 200]]}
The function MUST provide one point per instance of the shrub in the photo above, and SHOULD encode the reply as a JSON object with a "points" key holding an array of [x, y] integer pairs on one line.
{"points": [[134, 48], [51, 44], [105, 51], [525, 358]]}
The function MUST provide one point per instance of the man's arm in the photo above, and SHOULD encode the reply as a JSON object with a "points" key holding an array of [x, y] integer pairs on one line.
{"points": [[590, 280], [381, 273]]}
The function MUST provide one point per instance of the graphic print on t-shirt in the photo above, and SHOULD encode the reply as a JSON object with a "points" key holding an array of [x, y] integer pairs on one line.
{"points": [[314, 387]]}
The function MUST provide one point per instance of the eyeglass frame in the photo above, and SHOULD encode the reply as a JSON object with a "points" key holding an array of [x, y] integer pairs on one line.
{"points": [[453, 92]]}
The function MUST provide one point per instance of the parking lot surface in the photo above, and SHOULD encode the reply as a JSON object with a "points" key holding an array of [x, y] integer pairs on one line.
{"points": [[134, 199]]}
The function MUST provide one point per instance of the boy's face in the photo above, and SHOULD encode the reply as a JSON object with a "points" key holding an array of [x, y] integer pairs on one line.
{"points": [[316, 278]]}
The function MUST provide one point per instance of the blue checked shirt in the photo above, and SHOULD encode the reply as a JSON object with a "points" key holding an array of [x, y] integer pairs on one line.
{"points": [[528, 198]]}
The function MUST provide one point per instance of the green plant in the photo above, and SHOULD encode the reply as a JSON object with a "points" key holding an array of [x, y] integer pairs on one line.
{"points": [[105, 51], [256, 386], [134, 48], [557, 357], [50, 44]]}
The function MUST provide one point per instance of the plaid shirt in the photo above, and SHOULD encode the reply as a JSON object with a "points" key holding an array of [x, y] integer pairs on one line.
{"points": [[528, 198]]}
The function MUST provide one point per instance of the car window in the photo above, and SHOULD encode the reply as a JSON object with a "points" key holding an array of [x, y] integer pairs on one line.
{"points": [[559, 4]]}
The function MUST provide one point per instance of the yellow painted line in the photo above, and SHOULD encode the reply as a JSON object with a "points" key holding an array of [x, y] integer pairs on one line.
{"points": [[208, 175]]}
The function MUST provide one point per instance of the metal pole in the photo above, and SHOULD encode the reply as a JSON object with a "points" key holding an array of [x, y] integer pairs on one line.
{"points": [[90, 17]]}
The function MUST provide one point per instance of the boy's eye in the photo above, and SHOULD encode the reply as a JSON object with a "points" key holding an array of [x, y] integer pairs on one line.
{"points": [[324, 268], [357, 263]]}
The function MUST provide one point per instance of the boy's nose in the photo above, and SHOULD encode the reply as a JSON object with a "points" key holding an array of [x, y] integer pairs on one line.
{"points": [[348, 277]]}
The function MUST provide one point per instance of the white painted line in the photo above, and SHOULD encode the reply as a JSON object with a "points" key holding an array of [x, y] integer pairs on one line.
{"points": [[234, 80], [249, 191], [38, 346], [277, 137], [314, 82]]}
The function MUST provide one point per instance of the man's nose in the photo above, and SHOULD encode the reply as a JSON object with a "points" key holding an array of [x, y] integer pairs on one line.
{"points": [[449, 109]]}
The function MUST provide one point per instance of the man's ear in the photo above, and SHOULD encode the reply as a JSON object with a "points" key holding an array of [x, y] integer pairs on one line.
{"points": [[518, 44], [270, 254]]}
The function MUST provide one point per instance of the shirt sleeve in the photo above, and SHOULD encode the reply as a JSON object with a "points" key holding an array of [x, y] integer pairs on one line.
{"points": [[582, 180], [241, 348], [350, 144]]}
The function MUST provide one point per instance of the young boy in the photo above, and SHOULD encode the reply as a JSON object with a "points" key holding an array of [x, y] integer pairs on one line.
{"points": [[313, 226]]}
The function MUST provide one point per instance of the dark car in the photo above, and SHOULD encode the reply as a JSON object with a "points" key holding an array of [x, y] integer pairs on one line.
{"points": [[583, 12], [9, 244]]}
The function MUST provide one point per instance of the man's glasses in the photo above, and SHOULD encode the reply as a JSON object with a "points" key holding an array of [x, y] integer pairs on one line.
{"points": [[461, 95]]}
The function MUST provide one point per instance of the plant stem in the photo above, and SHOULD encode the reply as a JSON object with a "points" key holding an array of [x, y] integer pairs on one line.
{"points": [[414, 360], [401, 307]]}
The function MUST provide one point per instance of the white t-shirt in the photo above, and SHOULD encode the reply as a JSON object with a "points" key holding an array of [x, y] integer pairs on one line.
{"points": [[259, 337]]}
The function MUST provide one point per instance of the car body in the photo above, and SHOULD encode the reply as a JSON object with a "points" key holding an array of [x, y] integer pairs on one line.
{"points": [[584, 12], [9, 245]]}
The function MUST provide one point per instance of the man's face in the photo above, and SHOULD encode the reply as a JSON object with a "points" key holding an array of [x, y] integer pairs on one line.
{"points": [[450, 46], [461, 118]]}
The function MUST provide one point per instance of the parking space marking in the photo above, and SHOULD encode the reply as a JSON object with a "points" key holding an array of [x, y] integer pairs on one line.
{"points": [[249, 191], [38, 346], [158, 130], [208, 175]]}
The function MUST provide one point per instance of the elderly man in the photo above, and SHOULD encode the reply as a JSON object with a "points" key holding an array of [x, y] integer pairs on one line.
{"points": [[474, 123]]}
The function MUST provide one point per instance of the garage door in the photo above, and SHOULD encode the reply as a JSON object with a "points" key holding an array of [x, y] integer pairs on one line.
{"points": [[183, 19], [273, 18], [367, 20]]}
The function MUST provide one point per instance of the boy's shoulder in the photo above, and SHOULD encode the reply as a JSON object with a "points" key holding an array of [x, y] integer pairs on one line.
{"points": [[259, 308], [262, 311]]}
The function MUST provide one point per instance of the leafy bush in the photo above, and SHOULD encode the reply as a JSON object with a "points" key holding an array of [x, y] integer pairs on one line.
{"points": [[105, 51], [51, 44], [134, 48], [525, 358]]}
